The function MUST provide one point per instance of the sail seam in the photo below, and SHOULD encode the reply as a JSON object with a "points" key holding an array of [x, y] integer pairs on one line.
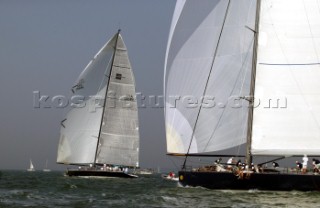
{"points": [[119, 134], [123, 67], [297, 64], [117, 83], [120, 148]]}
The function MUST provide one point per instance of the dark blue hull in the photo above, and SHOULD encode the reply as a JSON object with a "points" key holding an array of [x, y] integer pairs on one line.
{"points": [[260, 181], [99, 173]]}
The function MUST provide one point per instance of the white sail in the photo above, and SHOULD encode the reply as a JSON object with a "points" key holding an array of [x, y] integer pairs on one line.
{"points": [[31, 167], [288, 68], [80, 129], [209, 54], [119, 138]]}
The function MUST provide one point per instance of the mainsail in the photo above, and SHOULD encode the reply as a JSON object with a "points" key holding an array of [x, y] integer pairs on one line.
{"points": [[208, 61], [288, 69], [105, 130], [119, 138]]}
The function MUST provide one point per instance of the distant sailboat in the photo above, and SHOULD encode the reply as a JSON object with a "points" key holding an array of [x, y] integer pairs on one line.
{"points": [[101, 136], [46, 167], [31, 168], [231, 56]]}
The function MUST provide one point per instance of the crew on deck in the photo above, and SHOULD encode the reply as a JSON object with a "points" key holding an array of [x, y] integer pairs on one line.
{"points": [[316, 165], [304, 164]]}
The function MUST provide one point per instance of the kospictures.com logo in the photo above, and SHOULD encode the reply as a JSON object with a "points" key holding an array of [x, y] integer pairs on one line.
{"points": [[153, 101]]}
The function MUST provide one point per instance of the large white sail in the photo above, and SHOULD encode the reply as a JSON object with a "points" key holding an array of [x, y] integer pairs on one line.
{"points": [[209, 54], [288, 68], [119, 138], [80, 129]]}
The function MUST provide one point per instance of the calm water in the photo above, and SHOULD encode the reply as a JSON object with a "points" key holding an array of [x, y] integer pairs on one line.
{"points": [[38, 189]]}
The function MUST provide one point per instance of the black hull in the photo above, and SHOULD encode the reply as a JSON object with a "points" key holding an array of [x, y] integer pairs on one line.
{"points": [[99, 173], [259, 181]]}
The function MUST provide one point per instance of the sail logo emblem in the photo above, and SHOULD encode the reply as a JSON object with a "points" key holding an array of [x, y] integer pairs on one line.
{"points": [[78, 86]]}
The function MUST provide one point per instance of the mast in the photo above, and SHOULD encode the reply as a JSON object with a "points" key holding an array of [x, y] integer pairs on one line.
{"points": [[105, 98], [252, 84]]}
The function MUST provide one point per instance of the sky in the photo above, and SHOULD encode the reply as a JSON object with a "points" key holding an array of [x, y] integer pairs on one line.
{"points": [[44, 46]]}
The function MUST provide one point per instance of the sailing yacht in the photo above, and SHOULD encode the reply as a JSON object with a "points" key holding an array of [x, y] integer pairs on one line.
{"points": [[101, 134], [31, 167], [244, 73]]}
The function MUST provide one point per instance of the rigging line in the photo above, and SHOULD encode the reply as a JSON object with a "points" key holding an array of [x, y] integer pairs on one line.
{"points": [[238, 76], [312, 36], [269, 161], [105, 76], [205, 89], [316, 52], [318, 6], [292, 74], [253, 39], [175, 165], [105, 98], [305, 64], [241, 90], [248, 21], [244, 76], [224, 109], [312, 114]]}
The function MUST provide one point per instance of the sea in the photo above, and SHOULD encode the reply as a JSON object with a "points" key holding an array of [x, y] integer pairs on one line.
{"points": [[53, 189]]}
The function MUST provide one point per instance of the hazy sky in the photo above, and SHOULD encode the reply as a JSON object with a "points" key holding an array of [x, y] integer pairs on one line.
{"points": [[44, 45]]}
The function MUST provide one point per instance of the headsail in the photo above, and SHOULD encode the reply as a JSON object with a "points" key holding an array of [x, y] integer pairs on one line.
{"points": [[209, 54], [119, 138], [288, 69], [80, 129]]}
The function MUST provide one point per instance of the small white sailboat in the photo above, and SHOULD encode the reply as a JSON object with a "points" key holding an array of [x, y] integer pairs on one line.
{"points": [[46, 169], [101, 136], [31, 168]]}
